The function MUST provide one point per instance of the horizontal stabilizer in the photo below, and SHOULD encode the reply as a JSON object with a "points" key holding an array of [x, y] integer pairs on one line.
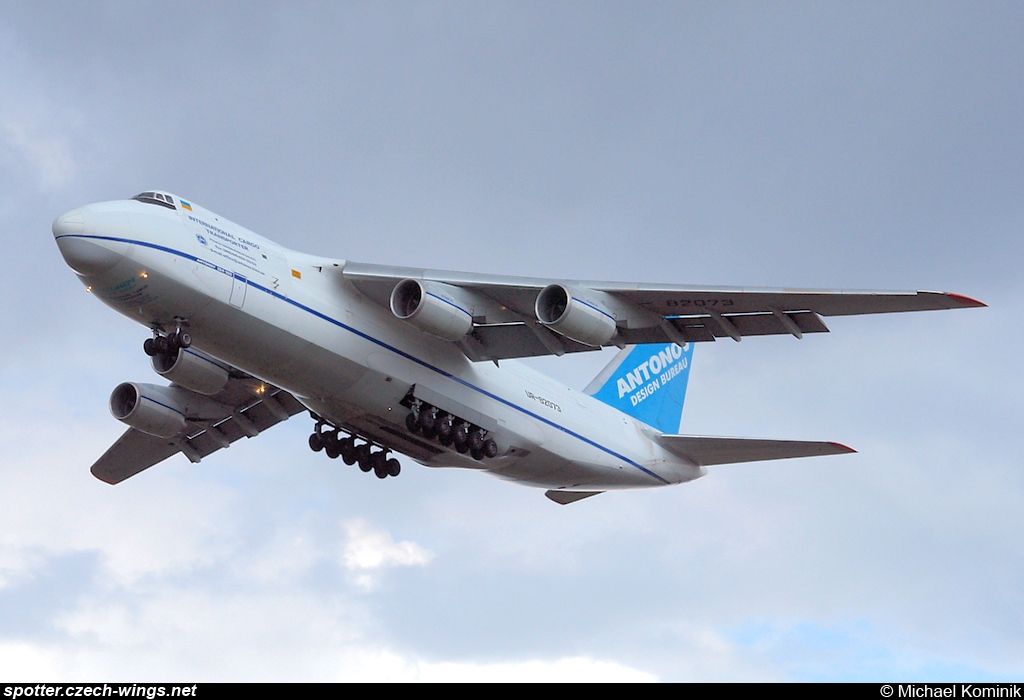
{"points": [[707, 451], [567, 497]]}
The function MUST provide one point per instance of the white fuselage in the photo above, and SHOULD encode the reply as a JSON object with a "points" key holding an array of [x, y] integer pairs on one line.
{"points": [[292, 320]]}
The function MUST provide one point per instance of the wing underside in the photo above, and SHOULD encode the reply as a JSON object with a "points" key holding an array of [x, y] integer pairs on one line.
{"points": [[136, 451], [505, 323]]}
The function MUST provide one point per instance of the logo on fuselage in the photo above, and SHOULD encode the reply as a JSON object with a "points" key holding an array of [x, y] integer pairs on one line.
{"points": [[201, 239]]}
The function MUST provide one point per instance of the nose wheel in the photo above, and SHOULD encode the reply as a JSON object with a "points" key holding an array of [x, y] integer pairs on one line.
{"points": [[168, 344]]}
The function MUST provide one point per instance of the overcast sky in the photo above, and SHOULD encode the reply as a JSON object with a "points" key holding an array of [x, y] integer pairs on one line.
{"points": [[840, 145]]}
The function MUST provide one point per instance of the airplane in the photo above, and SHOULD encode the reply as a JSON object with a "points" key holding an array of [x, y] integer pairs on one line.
{"points": [[418, 362]]}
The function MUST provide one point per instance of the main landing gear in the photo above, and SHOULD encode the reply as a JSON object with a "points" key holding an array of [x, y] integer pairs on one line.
{"points": [[435, 424], [334, 445]]}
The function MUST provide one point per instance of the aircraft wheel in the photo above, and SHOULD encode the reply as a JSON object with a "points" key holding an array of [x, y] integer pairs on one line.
{"points": [[459, 437], [381, 471], [332, 446], [394, 468], [426, 420], [183, 340], [348, 451], [475, 453], [363, 457], [444, 427], [490, 449], [149, 347], [476, 441], [445, 440], [462, 447], [161, 345], [412, 423], [316, 442]]}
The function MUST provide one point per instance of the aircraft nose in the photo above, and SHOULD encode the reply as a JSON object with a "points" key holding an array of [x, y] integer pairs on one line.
{"points": [[85, 252], [70, 222]]}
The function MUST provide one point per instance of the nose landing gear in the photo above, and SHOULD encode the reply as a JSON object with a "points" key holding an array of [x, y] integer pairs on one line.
{"points": [[170, 343]]}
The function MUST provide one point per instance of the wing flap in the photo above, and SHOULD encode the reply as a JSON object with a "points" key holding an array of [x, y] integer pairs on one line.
{"points": [[708, 451]]}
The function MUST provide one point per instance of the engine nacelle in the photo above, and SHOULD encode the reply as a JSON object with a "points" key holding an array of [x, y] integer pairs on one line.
{"points": [[439, 309], [573, 316], [149, 409], [191, 370]]}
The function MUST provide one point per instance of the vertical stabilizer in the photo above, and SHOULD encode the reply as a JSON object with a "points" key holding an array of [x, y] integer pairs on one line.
{"points": [[647, 382]]}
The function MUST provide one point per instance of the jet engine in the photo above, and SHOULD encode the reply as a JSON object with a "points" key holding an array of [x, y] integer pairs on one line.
{"points": [[439, 309], [191, 370], [574, 317], [164, 411], [149, 409]]}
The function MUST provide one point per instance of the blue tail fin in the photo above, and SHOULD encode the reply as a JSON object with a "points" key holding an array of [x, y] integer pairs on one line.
{"points": [[647, 382]]}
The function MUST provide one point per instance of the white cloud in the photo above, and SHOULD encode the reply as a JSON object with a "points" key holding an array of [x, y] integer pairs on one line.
{"points": [[367, 552], [577, 669]]}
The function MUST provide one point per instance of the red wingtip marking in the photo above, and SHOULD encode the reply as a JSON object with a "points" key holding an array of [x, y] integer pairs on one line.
{"points": [[966, 301], [843, 447]]}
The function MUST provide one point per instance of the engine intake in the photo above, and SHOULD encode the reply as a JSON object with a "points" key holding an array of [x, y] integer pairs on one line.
{"points": [[573, 316], [438, 309], [191, 370], [147, 408]]}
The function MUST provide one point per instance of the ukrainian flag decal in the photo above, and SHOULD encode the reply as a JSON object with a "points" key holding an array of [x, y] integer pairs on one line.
{"points": [[185, 205]]}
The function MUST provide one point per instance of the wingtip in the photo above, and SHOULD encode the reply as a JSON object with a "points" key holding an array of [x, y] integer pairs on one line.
{"points": [[843, 449], [966, 301]]}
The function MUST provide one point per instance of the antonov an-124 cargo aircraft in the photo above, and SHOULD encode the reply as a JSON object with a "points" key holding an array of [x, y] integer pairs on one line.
{"points": [[396, 360]]}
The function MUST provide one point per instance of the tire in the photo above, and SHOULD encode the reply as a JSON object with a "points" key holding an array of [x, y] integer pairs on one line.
{"points": [[362, 453], [394, 468], [149, 347], [411, 423], [316, 443], [490, 449], [348, 451], [426, 421], [183, 340], [444, 427], [331, 444]]}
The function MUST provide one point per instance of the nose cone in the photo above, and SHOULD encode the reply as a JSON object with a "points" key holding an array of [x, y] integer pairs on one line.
{"points": [[86, 251], [70, 222]]}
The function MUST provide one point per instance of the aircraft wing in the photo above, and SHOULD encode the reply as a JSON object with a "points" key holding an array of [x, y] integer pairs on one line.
{"points": [[708, 451], [247, 416], [505, 322]]}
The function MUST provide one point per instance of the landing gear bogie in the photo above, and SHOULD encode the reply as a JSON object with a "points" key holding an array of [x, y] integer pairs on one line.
{"points": [[449, 430], [331, 443]]}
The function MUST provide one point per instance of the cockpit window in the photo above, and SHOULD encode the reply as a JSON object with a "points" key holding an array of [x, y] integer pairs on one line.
{"points": [[164, 200]]}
